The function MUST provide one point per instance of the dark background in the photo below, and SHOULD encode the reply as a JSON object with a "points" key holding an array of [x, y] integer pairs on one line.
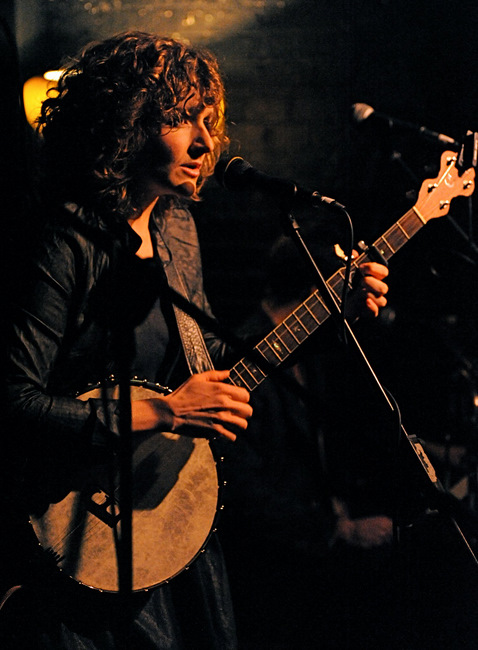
{"points": [[293, 69]]}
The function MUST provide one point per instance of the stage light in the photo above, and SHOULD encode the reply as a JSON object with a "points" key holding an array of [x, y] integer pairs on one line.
{"points": [[35, 91]]}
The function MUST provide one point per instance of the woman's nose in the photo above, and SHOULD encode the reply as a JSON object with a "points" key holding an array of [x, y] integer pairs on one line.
{"points": [[204, 138]]}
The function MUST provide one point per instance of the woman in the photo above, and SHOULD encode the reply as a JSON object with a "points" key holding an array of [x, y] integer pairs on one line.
{"points": [[135, 127]]}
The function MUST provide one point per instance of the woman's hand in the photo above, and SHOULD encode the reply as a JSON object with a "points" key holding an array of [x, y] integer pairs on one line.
{"points": [[369, 296], [202, 406]]}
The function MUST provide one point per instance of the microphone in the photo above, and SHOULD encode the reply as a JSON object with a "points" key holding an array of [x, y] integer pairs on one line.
{"points": [[363, 112], [237, 174]]}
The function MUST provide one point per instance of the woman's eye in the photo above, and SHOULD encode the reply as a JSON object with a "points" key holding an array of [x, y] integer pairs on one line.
{"points": [[210, 124]]}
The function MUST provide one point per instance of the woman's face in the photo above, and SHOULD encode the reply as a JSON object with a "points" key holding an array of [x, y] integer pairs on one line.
{"points": [[176, 156]]}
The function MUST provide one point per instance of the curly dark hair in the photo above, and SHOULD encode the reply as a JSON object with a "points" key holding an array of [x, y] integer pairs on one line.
{"points": [[110, 100]]}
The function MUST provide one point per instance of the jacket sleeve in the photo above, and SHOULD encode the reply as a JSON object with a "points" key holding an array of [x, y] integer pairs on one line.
{"points": [[39, 330]]}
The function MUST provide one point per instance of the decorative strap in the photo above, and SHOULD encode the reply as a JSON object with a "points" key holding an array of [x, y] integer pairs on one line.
{"points": [[195, 350]]}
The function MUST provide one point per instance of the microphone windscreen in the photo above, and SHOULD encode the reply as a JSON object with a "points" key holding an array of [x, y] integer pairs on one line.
{"points": [[230, 173], [360, 112]]}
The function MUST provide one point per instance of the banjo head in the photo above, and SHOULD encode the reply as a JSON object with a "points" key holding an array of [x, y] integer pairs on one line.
{"points": [[175, 504]]}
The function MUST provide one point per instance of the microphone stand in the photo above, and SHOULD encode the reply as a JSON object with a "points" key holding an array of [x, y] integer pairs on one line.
{"points": [[439, 497], [125, 492], [122, 332]]}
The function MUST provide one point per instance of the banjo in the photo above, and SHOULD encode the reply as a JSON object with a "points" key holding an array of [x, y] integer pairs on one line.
{"points": [[176, 484]]}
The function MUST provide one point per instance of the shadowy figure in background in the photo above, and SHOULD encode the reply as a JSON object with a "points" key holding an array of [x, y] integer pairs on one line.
{"points": [[307, 541]]}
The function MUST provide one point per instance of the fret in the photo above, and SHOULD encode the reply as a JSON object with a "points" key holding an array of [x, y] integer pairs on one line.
{"points": [[276, 344], [399, 225], [255, 371], [284, 323], [356, 263], [400, 233], [246, 374], [249, 370], [295, 325], [412, 223], [341, 273], [332, 286], [268, 352], [397, 237], [384, 247], [236, 378], [303, 316], [312, 319], [317, 308], [384, 239], [336, 282], [285, 337], [355, 267]]}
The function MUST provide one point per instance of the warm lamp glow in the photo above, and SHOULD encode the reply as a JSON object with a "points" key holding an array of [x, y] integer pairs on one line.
{"points": [[35, 91], [53, 75]]}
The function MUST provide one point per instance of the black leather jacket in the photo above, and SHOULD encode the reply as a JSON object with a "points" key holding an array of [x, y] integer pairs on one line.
{"points": [[59, 340], [60, 332]]}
